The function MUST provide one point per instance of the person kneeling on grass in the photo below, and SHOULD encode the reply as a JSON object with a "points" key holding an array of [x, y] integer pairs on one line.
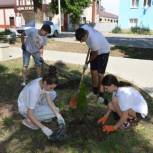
{"points": [[35, 103], [127, 102]]}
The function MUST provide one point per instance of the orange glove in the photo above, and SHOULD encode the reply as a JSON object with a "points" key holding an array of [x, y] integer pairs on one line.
{"points": [[102, 120], [108, 128], [73, 103]]}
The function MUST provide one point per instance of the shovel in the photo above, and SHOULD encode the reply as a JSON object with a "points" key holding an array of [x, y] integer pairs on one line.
{"points": [[73, 100]]}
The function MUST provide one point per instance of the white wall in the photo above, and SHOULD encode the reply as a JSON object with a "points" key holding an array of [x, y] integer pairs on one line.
{"points": [[9, 13], [88, 14], [105, 27], [1, 17]]}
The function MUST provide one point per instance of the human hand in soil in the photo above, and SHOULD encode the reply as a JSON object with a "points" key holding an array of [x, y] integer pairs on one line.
{"points": [[102, 120], [108, 128], [60, 120], [47, 131]]}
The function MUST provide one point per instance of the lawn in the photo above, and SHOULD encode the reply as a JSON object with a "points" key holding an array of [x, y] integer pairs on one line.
{"points": [[84, 136]]}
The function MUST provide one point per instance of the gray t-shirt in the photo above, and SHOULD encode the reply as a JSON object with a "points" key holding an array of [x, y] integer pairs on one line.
{"points": [[33, 41]]}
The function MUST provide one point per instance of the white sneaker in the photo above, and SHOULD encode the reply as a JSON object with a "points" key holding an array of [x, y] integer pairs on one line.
{"points": [[100, 100], [91, 95]]}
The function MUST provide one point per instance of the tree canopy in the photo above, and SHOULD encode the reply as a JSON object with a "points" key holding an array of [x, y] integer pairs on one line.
{"points": [[72, 7]]}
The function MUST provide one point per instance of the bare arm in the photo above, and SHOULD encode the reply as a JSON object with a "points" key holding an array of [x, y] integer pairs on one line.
{"points": [[52, 105], [122, 120], [93, 55], [34, 119], [41, 50], [116, 106]]}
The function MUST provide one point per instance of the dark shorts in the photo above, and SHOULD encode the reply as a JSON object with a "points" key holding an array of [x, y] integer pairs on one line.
{"points": [[100, 63]]}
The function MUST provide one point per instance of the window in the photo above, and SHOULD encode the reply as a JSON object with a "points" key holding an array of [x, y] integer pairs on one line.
{"points": [[147, 3], [133, 22], [135, 4], [12, 22]]}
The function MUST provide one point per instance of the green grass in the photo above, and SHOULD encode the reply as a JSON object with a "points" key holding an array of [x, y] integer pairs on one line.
{"points": [[84, 136]]}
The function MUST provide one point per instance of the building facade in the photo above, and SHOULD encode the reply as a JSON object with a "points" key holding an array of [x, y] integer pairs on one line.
{"points": [[136, 13], [15, 13]]}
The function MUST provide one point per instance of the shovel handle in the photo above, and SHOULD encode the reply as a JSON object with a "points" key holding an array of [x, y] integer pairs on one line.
{"points": [[82, 75]]}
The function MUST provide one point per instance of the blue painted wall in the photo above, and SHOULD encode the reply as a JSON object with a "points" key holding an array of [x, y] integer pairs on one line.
{"points": [[143, 14]]}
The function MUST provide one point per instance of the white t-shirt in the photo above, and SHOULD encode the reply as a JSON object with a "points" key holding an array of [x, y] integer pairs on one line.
{"points": [[96, 41], [130, 98], [32, 96], [34, 41]]}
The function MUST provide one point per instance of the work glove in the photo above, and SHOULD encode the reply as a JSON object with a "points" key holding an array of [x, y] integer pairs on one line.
{"points": [[60, 120], [85, 66], [73, 103], [108, 128], [48, 132], [102, 120]]}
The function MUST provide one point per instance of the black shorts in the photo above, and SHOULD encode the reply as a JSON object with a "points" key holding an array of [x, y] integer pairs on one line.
{"points": [[100, 63]]}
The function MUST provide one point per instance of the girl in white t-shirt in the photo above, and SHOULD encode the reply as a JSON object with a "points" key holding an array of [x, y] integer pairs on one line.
{"points": [[127, 102], [35, 103]]}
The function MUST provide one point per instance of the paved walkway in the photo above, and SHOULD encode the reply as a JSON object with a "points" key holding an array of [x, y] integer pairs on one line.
{"points": [[139, 72], [139, 41]]}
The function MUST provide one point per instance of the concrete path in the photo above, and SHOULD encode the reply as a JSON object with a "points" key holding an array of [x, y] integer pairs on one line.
{"points": [[139, 72], [139, 41]]}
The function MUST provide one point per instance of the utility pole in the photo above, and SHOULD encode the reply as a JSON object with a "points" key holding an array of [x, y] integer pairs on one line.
{"points": [[59, 14]]}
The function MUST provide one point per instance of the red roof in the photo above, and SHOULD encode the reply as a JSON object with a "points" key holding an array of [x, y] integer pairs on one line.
{"points": [[7, 3], [108, 15]]}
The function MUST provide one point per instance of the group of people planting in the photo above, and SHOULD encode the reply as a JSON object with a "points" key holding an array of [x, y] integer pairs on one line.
{"points": [[36, 100]]}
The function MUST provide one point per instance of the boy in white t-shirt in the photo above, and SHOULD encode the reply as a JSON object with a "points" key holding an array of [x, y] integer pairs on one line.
{"points": [[127, 102], [99, 55], [33, 41], [35, 103]]}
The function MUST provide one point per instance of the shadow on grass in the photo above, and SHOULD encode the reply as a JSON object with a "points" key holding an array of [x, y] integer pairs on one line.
{"points": [[9, 84], [136, 53], [85, 135]]}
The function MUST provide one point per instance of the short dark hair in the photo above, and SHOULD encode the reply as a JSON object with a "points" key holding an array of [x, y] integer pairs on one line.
{"points": [[46, 27], [80, 33], [50, 79]]}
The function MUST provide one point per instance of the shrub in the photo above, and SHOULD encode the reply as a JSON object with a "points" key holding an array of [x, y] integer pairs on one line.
{"points": [[117, 30], [82, 100], [140, 30]]}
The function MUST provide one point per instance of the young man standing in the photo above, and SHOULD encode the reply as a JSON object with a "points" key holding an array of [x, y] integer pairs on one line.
{"points": [[99, 55], [33, 41]]}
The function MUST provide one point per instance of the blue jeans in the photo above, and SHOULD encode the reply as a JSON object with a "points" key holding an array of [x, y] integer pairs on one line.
{"points": [[36, 57]]}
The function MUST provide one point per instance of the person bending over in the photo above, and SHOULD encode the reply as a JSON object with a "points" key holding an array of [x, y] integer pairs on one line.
{"points": [[36, 103], [98, 59], [33, 40], [127, 102]]}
